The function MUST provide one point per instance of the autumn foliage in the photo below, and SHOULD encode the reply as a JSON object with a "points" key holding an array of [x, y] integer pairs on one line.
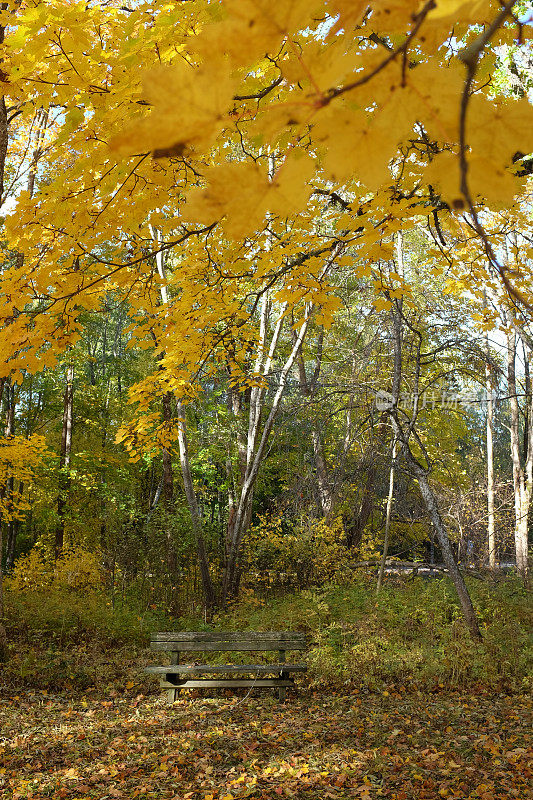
{"points": [[257, 259]]}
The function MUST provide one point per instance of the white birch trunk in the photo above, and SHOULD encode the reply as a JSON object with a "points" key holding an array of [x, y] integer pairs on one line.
{"points": [[521, 477], [491, 528], [388, 515]]}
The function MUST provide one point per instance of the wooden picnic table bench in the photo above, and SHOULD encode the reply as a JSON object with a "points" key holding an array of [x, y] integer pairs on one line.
{"points": [[176, 676]]}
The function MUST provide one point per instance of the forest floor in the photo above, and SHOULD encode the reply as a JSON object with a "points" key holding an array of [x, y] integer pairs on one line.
{"points": [[121, 744]]}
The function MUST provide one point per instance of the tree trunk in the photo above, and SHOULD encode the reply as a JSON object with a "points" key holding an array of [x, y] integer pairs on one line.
{"points": [[64, 460], [255, 453], [4, 141], [3, 649], [9, 487], [355, 526], [196, 520], [1, 582], [308, 388], [12, 534], [388, 515], [168, 491], [4, 135], [207, 583], [257, 440], [325, 493], [491, 530], [521, 493], [3, 640]]}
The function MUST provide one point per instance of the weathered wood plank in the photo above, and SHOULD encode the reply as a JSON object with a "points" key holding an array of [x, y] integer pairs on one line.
{"points": [[237, 636], [173, 645], [200, 669], [230, 683]]}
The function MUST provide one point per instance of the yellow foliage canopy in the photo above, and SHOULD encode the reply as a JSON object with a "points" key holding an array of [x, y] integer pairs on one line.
{"points": [[259, 140]]}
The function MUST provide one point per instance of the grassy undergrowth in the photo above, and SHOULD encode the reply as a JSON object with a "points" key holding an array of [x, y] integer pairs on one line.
{"points": [[412, 636]]}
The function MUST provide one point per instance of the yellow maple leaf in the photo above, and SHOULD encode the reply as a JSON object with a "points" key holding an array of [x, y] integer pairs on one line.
{"points": [[381, 303], [464, 10], [235, 191], [488, 180], [245, 30], [291, 186], [353, 147], [497, 130], [189, 108]]}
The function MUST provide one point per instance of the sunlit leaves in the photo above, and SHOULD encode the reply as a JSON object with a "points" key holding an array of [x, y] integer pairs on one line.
{"points": [[20, 458], [230, 125], [189, 107]]}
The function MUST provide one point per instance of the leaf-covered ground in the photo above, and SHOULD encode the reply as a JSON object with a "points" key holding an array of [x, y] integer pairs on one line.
{"points": [[398, 746]]}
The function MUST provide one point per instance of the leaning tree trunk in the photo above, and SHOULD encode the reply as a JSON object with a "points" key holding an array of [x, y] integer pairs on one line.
{"points": [[430, 502]]}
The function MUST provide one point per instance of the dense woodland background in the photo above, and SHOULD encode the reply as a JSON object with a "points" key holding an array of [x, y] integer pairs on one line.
{"points": [[320, 500]]}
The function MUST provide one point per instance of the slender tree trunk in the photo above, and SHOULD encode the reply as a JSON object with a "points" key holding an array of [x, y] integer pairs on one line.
{"points": [[168, 504], [388, 515], [41, 121], [308, 388], [3, 637], [2, 630], [4, 134], [207, 583], [4, 141], [196, 520], [12, 535], [235, 404], [491, 530], [257, 440], [64, 460], [325, 493], [528, 486], [521, 493], [168, 475], [8, 489]]}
